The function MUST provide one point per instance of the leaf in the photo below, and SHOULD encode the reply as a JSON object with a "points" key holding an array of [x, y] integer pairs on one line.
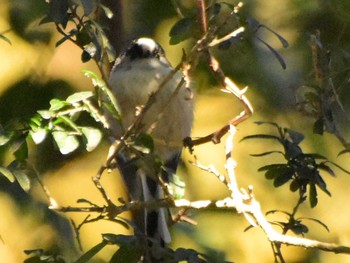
{"points": [[58, 11], [22, 179], [66, 143], [69, 122], [79, 96], [4, 139], [294, 185], [296, 137], [93, 137], [317, 221], [89, 6], [278, 166], [277, 55], [38, 135], [107, 11], [326, 168], [5, 39], [266, 153], [57, 104], [119, 239], [85, 258], [340, 153], [127, 253], [339, 167], [261, 136], [312, 195], [46, 114], [20, 149], [319, 126], [283, 178], [181, 31], [7, 173]]}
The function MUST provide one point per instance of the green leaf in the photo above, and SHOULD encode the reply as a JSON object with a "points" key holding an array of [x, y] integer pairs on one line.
{"points": [[38, 135], [85, 258], [181, 31], [5, 39], [69, 122], [107, 11], [4, 139], [66, 143], [57, 104], [79, 96], [22, 179], [7, 173], [46, 114], [20, 149], [93, 137]]}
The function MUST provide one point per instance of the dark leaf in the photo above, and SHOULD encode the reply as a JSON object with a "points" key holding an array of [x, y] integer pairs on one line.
{"points": [[261, 136], [339, 167], [283, 178], [127, 253], [282, 167], [58, 11], [277, 55], [83, 38], [89, 6], [119, 239], [317, 221], [319, 126], [181, 31], [326, 168], [340, 153], [294, 185], [322, 184], [85, 258], [299, 229], [5, 39], [266, 153], [85, 56], [312, 195], [296, 137]]}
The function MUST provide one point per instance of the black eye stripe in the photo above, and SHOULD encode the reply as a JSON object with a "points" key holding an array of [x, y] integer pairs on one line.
{"points": [[137, 51]]}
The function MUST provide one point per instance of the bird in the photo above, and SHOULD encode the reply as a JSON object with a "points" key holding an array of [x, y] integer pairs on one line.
{"points": [[136, 76]]}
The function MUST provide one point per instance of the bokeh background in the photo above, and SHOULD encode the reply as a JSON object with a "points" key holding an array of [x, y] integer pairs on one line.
{"points": [[33, 70]]}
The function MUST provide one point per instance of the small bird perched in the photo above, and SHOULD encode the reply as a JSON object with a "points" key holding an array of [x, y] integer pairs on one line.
{"points": [[136, 75]]}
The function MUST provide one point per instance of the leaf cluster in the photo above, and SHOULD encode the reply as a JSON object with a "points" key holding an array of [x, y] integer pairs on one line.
{"points": [[84, 30], [301, 170]]}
